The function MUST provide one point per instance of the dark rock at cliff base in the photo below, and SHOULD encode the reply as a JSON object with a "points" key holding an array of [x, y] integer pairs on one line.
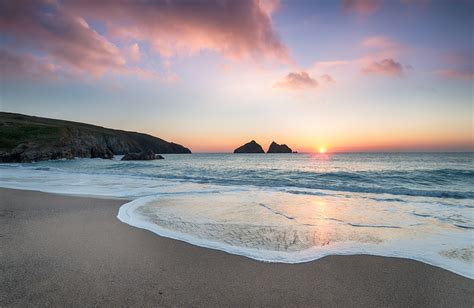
{"points": [[251, 147], [26, 139], [279, 148], [149, 155]]}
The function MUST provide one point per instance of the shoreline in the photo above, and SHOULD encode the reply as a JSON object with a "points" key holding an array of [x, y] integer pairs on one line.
{"points": [[63, 250]]}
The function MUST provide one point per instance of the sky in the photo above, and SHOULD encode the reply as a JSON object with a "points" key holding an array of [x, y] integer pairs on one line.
{"points": [[351, 75]]}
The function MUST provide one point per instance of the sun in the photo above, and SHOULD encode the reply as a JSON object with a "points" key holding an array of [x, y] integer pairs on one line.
{"points": [[322, 150]]}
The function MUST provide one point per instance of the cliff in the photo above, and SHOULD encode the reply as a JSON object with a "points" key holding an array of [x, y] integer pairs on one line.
{"points": [[250, 147], [27, 138], [279, 148]]}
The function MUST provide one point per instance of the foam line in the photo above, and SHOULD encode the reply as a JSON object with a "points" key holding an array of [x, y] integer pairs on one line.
{"points": [[128, 214]]}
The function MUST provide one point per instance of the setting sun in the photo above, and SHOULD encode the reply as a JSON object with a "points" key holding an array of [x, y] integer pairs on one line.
{"points": [[322, 150]]}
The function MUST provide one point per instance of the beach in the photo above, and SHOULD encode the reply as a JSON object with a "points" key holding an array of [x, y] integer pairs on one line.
{"points": [[62, 250]]}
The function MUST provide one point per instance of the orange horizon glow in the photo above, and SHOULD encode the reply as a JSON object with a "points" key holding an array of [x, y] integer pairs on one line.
{"points": [[334, 136], [228, 146]]}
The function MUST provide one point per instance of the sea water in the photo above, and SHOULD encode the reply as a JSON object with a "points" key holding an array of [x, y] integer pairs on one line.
{"points": [[286, 207]]}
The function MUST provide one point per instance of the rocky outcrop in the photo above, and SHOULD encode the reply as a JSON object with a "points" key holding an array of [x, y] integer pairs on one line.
{"points": [[251, 147], [26, 138], [279, 148], [149, 155]]}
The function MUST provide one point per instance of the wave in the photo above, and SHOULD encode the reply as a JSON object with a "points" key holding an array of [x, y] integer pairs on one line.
{"points": [[444, 183], [276, 212], [390, 191], [464, 226], [373, 226], [411, 183]]}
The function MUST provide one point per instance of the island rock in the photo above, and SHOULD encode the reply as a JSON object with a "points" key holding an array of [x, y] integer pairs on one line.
{"points": [[148, 155], [279, 148], [251, 147]]}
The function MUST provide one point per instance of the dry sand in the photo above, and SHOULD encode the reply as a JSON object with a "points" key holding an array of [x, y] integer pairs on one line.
{"points": [[60, 250]]}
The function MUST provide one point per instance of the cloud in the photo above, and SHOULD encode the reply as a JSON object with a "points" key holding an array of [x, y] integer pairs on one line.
{"points": [[17, 65], [235, 29], [386, 67], [381, 52], [61, 32], [327, 78], [456, 74], [383, 47], [134, 53], [362, 7], [457, 65], [325, 65], [302, 80], [380, 42], [460, 58], [66, 39], [297, 81]]}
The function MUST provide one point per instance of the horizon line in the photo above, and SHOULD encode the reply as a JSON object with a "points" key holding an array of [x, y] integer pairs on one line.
{"points": [[350, 152]]}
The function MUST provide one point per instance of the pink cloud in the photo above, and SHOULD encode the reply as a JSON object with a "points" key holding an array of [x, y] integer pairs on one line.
{"points": [[134, 52], [379, 42], [457, 65], [18, 65], [385, 67], [302, 80], [362, 7], [324, 65], [456, 74], [384, 47], [66, 39], [61, 31], [381, 52], [327, 78], [235, 29], [297, 81], [462, 58]]}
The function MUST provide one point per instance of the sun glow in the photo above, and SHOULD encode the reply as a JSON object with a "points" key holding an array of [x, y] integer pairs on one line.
{"points": [[322, 150]]}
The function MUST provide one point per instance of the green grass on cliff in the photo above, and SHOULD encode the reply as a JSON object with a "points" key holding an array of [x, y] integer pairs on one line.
{"points": [[16, 133]]}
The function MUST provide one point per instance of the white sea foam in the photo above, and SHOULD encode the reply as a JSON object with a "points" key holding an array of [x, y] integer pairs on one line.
{"points": [[97, 185], [278, 227]]}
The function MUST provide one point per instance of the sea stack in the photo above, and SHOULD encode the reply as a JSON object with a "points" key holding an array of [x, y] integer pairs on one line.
{"points": [[279, 148], [148, 155], [251, 147]]}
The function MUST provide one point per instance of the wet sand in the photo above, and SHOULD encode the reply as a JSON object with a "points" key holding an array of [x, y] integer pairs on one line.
{"points": [[61, 250]]}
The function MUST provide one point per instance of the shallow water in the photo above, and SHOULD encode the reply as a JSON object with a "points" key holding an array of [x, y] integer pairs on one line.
{"points": [[286, 207]]}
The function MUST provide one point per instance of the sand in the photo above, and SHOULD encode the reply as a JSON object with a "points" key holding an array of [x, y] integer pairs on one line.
{"points": [[62, 250]]}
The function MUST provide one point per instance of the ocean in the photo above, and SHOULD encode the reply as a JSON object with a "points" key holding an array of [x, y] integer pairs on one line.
{"points": [[287, 208]]}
